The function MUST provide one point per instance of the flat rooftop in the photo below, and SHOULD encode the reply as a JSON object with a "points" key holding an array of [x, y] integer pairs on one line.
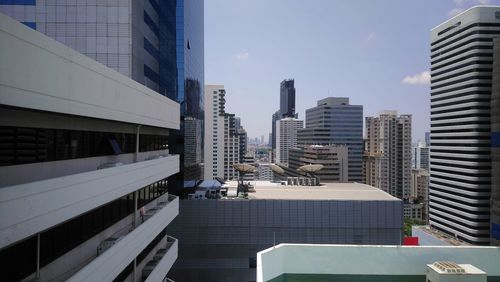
{"points": [[265, 190]]}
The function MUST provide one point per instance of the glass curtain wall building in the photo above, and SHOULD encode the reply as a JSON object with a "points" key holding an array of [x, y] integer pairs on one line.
{"points": [[156, 43]]}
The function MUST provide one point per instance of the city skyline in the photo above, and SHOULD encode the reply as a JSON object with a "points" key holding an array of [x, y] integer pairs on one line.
{"points": [[325, 61]]}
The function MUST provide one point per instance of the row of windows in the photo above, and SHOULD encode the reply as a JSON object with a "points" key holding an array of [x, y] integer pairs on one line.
{"points": [[437, 176], [476, 77], [463, 36], [475, 159], [19, 260], [478, 56], [461, 115], [22, 145], [462, 87], [460, 187], [476, 47], [473, 100], [459, 130]]}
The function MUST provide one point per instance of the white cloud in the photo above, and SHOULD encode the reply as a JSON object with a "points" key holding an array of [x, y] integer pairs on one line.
{"points": [[462, 5], [423, 78], [370, 37], [243, 56], [455, 11]]}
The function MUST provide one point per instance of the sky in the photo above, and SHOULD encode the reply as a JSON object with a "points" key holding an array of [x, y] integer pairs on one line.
{"points": [[376, 52]]}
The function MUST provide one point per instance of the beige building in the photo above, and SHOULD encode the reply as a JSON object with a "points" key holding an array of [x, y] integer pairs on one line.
{"points": [[333, 158], [387, 156]]}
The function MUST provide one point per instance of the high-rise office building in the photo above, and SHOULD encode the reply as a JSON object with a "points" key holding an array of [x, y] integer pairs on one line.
{"points": [[461, 104], [222, 139], [287, 98], [336, 122], [83, 149], [159, 44], [495, 146], [286, 137], [388, 153], [420, 154]]}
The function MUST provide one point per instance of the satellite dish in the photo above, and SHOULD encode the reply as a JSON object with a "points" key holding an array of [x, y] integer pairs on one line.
{"points": [[277, 169], [310, 168], [244, 168]]}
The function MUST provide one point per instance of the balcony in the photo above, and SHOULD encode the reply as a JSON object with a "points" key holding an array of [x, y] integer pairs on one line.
{"points": [[123, 247], [157, 268], [27, 209]]}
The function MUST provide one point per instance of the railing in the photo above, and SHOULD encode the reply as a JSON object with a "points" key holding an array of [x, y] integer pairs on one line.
{"points": [[162, 261], [114, 259]]}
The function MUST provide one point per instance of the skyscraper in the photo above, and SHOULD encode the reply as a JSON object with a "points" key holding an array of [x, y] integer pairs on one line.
{"points": [[286, 137], [83, 149], [222, 139], [159, 44], [287, 98], [461, 105], [387, 156], [495, 146], [336, 122]]}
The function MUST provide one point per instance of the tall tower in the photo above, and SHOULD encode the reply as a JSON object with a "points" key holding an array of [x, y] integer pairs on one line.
{"points": [[286, 137], [287, 98], [461, 105], [388, 153], [336, 122], [159, 44], [222, 138]]}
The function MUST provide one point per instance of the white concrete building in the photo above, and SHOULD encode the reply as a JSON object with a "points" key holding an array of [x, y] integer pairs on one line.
{"points": [[462, 59], [420, 154], [82, 149], [222, 142], [286, 137], [214, 131]]}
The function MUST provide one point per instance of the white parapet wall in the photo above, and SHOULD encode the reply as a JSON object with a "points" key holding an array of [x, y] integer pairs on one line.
{"points": [[39, 73], [369, 260]]}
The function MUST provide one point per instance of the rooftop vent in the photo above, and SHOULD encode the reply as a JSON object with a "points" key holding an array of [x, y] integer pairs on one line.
{"points": [[449, 267]]}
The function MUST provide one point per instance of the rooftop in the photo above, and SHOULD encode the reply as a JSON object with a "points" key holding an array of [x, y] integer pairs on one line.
{"points": [[266, 190]]}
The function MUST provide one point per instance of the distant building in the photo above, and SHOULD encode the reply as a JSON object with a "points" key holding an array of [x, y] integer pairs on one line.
{"points": [[287, 98], [333, 158], [264, 172], [222, 140], [413, 211], [419, 192], [428, 139], [421, 156], [243, 142], [286, 137], [388, 153], [464, 181], [336, 122]]}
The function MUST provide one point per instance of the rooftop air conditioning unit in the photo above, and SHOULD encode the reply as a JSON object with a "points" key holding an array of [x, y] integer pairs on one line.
{"points": [[447, 271]]}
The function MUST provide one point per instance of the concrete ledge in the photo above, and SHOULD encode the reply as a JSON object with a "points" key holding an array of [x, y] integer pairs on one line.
{"points": [[30, 208]]}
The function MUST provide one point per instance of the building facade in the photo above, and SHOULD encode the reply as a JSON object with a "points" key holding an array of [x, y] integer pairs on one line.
{"points": [[462, 61], [287, 98], [159, 44], [222, 237], [83, 150], [421, 156], [214, 131], [388, 153], [222, 140], [495, 146], [336, 122], [333, 158], [419, 192], [286, 137]]}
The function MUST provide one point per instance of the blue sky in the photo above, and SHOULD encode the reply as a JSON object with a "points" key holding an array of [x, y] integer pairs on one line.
{"points": [[376, 52]]}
